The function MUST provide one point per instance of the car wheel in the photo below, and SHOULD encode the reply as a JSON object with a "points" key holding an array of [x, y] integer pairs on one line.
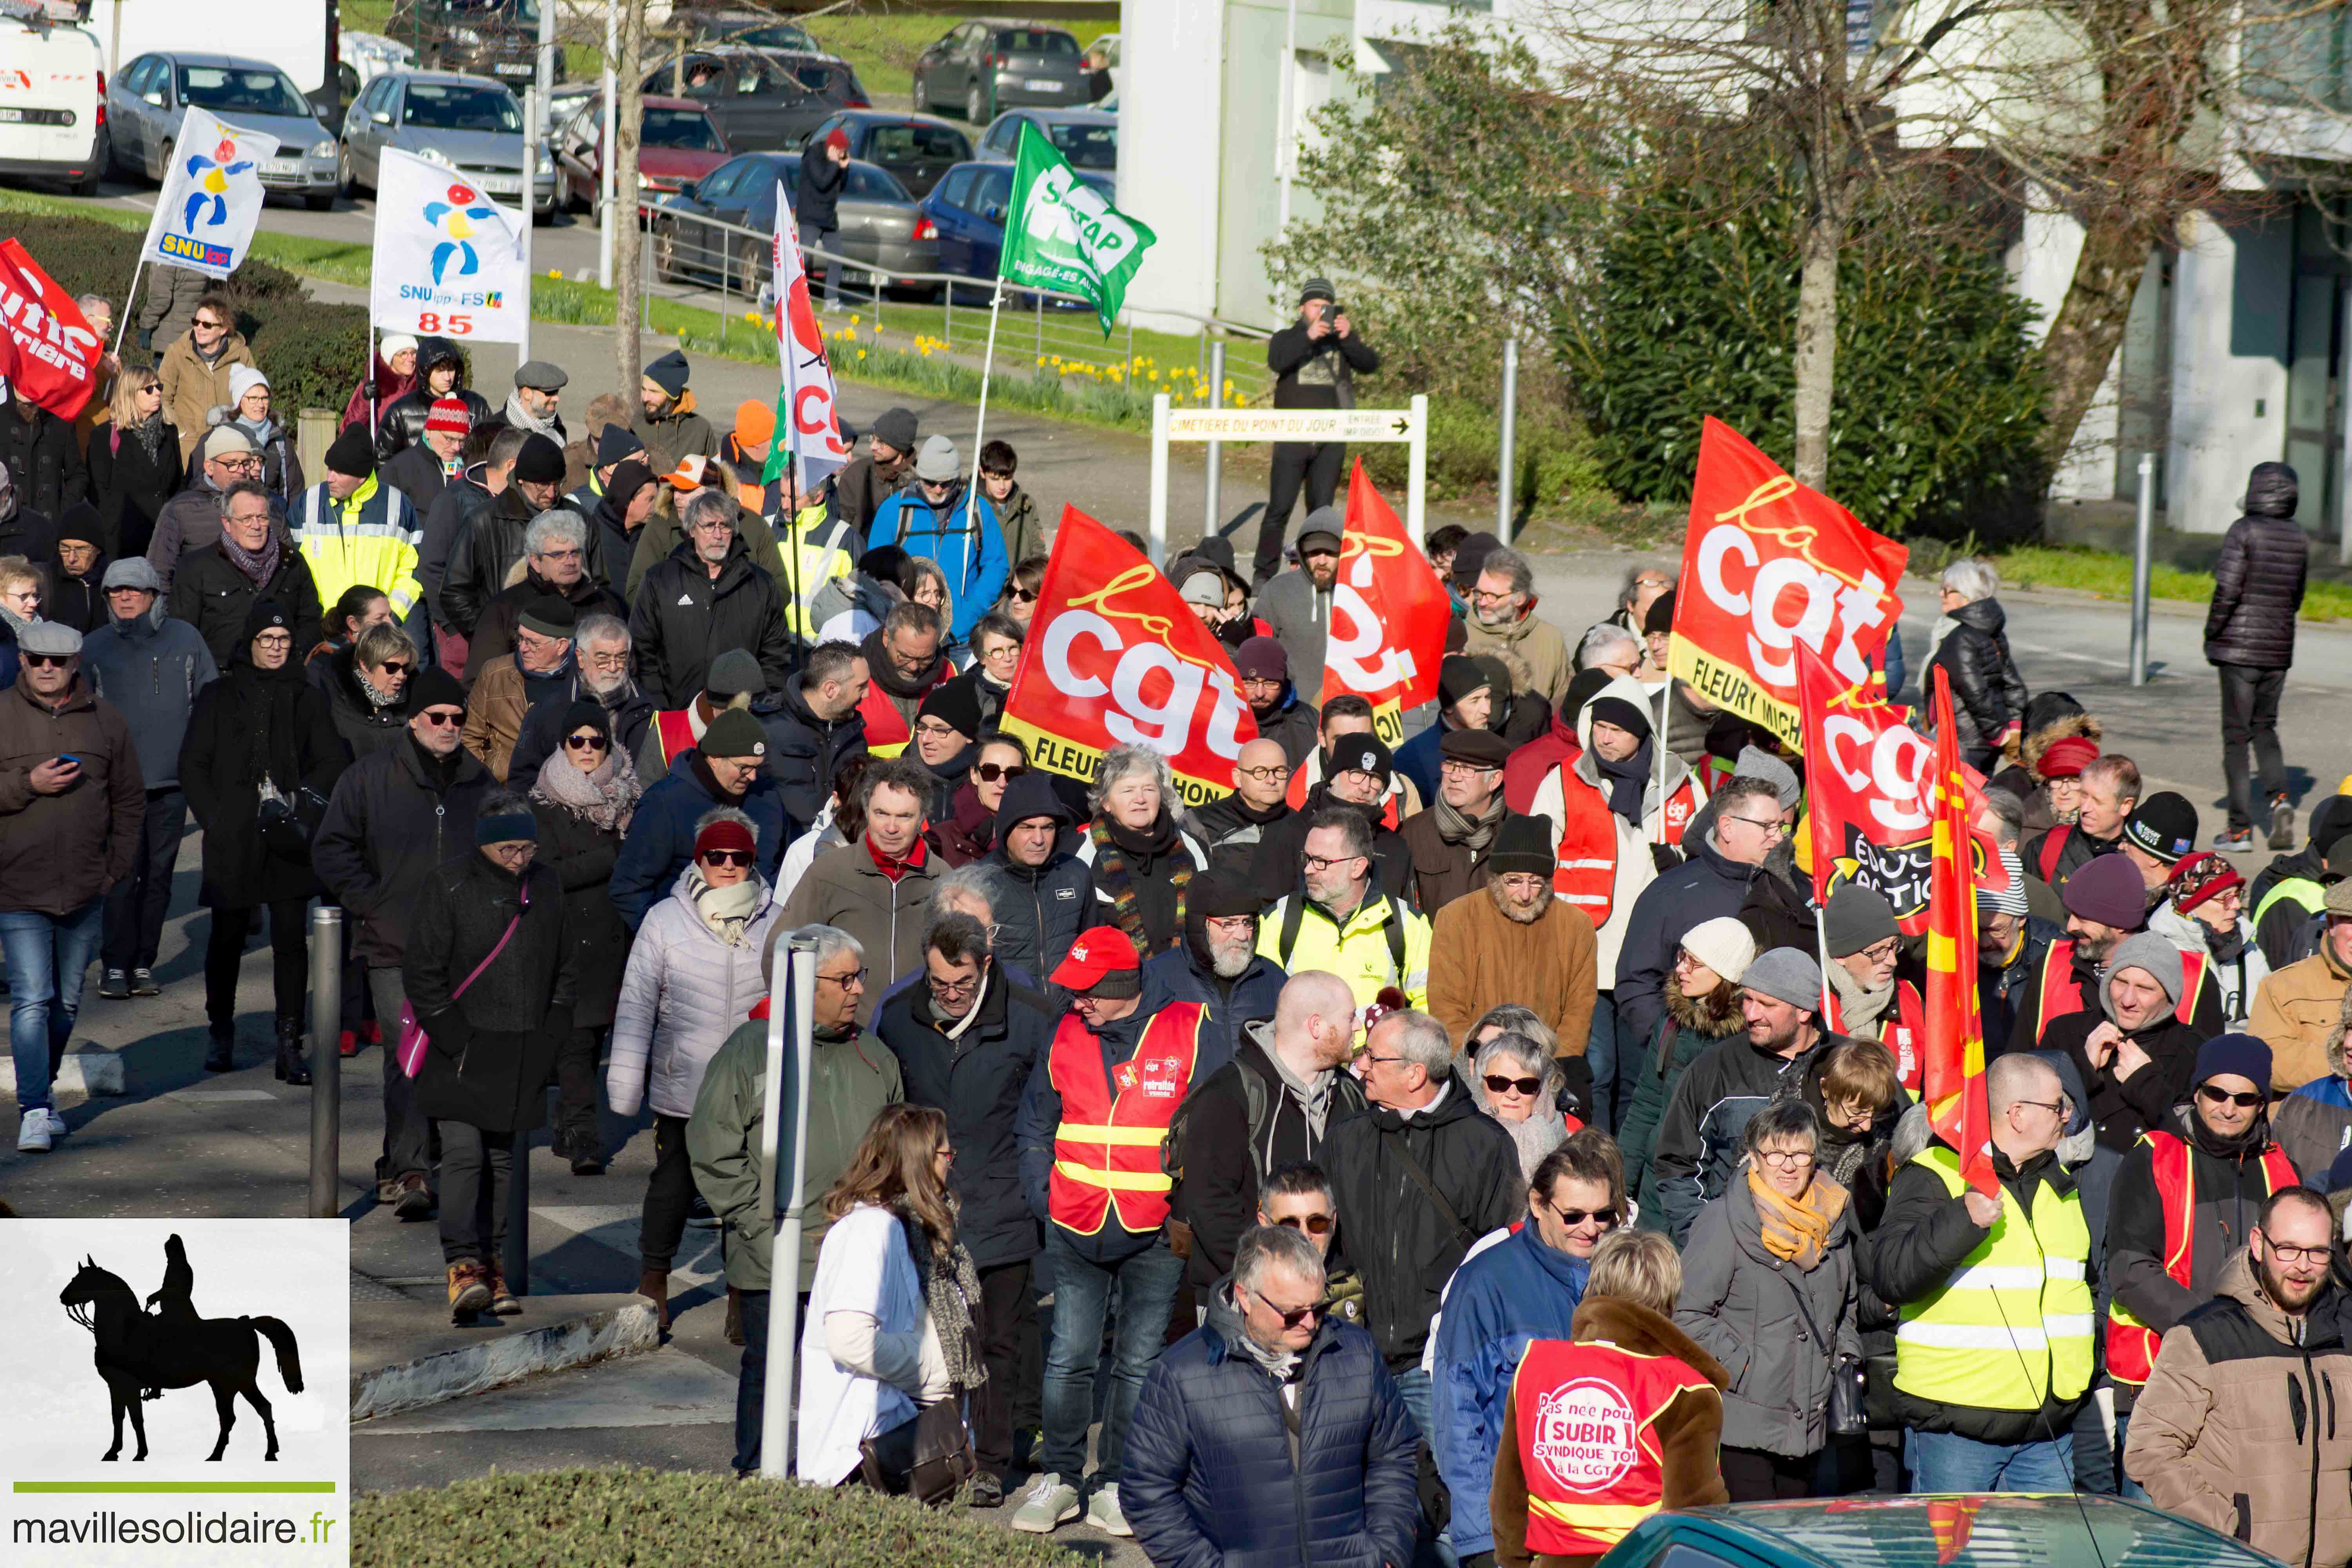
{"points": [[974, 106], [751, 266], [666, 255], [318, 201], [101, 161]]}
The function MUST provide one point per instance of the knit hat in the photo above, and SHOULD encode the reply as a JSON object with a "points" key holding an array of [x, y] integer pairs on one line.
{"points": [[955, 704], [133, 571], [2244, 1055], [1483, 747], [551, 615], [2009, 901], [1755, 763], [351, 453], [2331, 821], [1586, 685], [435, 687], [939, 463], [266, 614], [1318, 289], [540, 376], [242, 379], [1857, 918], [1786, 974], [838, 140], [449, 416], [755, 422], [394, 344], [733, 673], [1630, 716], [2152, 954], [628, 477], [2200, 877], [668, 373], [2107, 889], [895, 428], [1203, 585], [617, 443], [2065, 758], [1660, 615], [2164, 824], [1262, 659], [1217, 895], [584, 713], [81, 525], [540, 462], [1102, 962], [54, 639], [726, 834], [1032, 794], [733, 733], [1458, 677], [1525, 844], [1325, 522], [1724, 945], [1358, 755]]}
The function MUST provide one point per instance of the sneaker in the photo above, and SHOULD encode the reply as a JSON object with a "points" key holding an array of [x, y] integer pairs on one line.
{"points": [[416, 1198], [1104, 1513], [33, 1138], [2234, 841], [142, 984], [347, 1044], [986, 1491], [373, 1033], [115, 985], [2281, 824], [1049, 1505], [503, 1301], [57, 1128], [387, 1191]]}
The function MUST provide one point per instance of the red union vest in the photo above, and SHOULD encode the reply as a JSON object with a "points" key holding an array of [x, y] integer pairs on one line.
{"points": [[1585, 1413], [2059, 995], [888, 732], [1587, 875], [2132, 1344], [1904, 1032], [675, 727], [1107, 1163]]}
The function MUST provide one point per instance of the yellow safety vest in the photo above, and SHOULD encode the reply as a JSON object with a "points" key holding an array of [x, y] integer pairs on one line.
{"points": [[2013, 1325], [813, 555]]}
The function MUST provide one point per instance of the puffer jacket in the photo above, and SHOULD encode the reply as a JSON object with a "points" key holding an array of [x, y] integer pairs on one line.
{"points": [[2243, 1426], [1682, 1036], [683, 995], [1217, 1473], [2238, 976], [1987, 693], [2313, 1124], [400, 424], [2258, 582], [660, 841]]}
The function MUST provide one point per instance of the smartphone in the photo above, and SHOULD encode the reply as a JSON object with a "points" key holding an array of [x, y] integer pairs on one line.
{"points": [[69, 758]]}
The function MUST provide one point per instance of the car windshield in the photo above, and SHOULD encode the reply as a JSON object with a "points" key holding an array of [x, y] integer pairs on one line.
{"points": [[436, 106], [875, 184], [684, 129], [816, 77], [777, 36], [1037, 41], [916, 144], [1087, 146], [228, 90], [497, 12]]}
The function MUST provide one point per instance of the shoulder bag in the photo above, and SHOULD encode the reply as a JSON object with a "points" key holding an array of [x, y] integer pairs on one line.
{"points": [[412, 1038], [1848, 1416]]}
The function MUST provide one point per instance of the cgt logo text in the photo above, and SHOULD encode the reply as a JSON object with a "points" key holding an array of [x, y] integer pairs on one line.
{"points": [[427, 294]]}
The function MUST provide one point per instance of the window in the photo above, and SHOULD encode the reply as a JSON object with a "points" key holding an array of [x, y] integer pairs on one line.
{"points": [[1037, 41], [955, 191], [996, 189], [916, 144], [141, 72], [1086, 146], [449, 106], [258, 90], [1003, 134], [777, 35], [723, 182], [871, 184], [684, 129]]}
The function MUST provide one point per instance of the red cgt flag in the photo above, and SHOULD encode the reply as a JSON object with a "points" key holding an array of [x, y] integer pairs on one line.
{"points": [[48, 351], [1388, 615], [1116, 656], [1953, 1075]]}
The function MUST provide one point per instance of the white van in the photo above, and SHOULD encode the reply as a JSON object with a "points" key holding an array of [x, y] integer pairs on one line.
{"points": [[52, 93]]}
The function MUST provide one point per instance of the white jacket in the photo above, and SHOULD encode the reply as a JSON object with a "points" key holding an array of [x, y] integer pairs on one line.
{"points": [[868, 1347], [2237, 979], [683, 992]]}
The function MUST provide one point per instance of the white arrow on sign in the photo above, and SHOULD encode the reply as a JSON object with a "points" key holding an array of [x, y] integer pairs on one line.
{"points": [[1290, 425]]}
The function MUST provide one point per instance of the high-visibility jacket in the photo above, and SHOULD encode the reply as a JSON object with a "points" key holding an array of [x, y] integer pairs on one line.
{"points": [[1106, 1166], [814, 553], [370, 537], [1902, 1030], [1586, 1414], [2132, 1344], [1383, 944], [888, 733], [2060, 994], [2301, 891], [2012, 1326], [676, 731], [1587, 873]]}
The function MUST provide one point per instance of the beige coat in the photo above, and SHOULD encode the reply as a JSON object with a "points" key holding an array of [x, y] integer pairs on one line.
{"points": [[494, 716], [2294, 1010], [1538, 644], [1479, 958], [845, 888], [192, 389]]}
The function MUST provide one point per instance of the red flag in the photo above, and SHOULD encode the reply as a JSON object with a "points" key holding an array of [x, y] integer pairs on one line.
{"points": [[1769, 566], [51, 353], [1388, 615], [1116, 656], [1954, 1072]]}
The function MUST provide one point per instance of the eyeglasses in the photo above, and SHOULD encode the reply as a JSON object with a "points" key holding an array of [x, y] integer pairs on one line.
{"points": [[609, 660], [1372, 1060], [586, 743], [1771, 827], [1879, 953], [394, 666], [2284, 1254], [1497, 1083], [274, 640], [1574, 1217], [1006, 650], [990, 772], [439, 720], [944, 1152], [1786, 1159], [1454, 767], [1315, 865], [48, 660], [1290, 1320], [2211, 1096], [1274, 774], [728, 857], [952, 987], [2055, 1108], [1312, 1224], [210, 326], [559, 556], [855, 978], [244, 462]]}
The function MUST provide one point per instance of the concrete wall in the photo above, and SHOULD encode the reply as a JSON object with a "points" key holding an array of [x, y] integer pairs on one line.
{"points": [[1171, 115], [2230, 292]]}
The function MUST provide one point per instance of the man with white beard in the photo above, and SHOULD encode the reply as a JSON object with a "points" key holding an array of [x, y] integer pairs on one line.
{"points": [[600, 674], [1217, 964]]}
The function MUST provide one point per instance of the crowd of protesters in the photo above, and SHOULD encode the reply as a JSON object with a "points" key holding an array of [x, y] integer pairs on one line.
{"points": [[1342, 1127]]}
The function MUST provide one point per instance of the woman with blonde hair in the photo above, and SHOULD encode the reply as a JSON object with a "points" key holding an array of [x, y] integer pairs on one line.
{"points": [[134, 463]]}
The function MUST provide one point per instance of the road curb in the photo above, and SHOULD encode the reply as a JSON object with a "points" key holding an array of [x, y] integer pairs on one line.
{"points": [[616, 1331], [89, 1070]]}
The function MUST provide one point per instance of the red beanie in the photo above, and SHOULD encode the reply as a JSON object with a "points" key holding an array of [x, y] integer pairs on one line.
{"points": [[839, 138], [2200, 877], [725, 834], [2066, 759], [450, 416]]}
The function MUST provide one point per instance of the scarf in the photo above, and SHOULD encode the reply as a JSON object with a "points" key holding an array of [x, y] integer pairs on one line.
{"points": [[376, 699], [16, 621], [604, 799], [886, 674], [256, 570], [149, 434], [927, 1009], [952, 1295], [1860, 1013], [1115, 848], [263, 430], [727, 911], [1455, 828], [1796, 1231], [1281, 1363], [896, 868], [520, 420], [1627, 780]]}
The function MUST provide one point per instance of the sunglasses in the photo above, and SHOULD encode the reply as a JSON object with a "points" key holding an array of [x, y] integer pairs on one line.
{"points": [[586, 743], [1574, 1217], [48, 660], [990, 772], [1023, 596], [1497, 1084], [2212, 1096], [394, 666], [728, 857], [1313, 1224], [1289, 1319], [442, 720]]}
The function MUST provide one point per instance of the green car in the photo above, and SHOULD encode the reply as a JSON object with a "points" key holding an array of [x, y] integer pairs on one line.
{"points": [[1979, 1530]]}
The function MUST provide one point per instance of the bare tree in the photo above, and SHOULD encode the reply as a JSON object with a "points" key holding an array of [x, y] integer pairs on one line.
{"points": [[628, 281]]}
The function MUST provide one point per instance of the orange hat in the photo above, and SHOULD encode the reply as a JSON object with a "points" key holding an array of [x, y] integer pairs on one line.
{"points": [[754, 423], [688, 475]]}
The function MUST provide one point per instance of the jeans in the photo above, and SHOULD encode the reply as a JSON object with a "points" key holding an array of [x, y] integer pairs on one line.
{"points": [[1946, 1462], [476, 1168], [1008, 1348], [1601, 1056], [751, 1387], [137, 905], [47, 957], [1429, 1550], [1313, 464], [407, 1132], [289, 949], [669, 1194], [2250, 704], [2125, 1484], [1147, 1285]]}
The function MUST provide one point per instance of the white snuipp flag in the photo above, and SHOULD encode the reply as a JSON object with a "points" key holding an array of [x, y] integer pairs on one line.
{"points": [[211, 200], [448, 260]]}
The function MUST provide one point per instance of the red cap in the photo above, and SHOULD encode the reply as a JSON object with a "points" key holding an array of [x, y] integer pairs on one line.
{"points": [[1099, 950], [725, 834], [2066, 759], [450, 416], [839, 138]]}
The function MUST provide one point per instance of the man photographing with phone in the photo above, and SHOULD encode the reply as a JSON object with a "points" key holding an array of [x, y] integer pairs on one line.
{"points": [[1315, 361], [71, 804]]}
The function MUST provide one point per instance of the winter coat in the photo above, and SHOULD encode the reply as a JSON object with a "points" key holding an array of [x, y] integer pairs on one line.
{"points": [[60, 851], [2313, 1124], [682, 995], [1687, 1031], [2294, 1011], [2009, 991], [1701, 887], [1232, 830], [859, 490], [805, 751], [281, 465], [1741, 1303], [2230, 1430], [1151, 876], [845, 887], [977, 1080], [673, 434], [1507, 1296], [581, 855], [821, 180], [188, 524], [1023, 525], [192, 389], [1317, 373], [659, 537], [129, 488], [211, 594], [250, 725], [2236, 978], [170, 306], [149, 670], [78, 601], [502, 698], [400, 424], [480, 557], [1300, 616], [29, 534], [1987, 693], [448, 525], [1698, 1155], [660, 841], [1275, 866], [1405, 1248], [494, 633], [961, 536], [494, 1047], [2123, 1108], [684, 620], [1437, 872], [2258, 582], [542, 729], [391, 821], [1221, 1467], [43, 459], [1043, 908], [1480, 958], [364, 727], [1536, 642], [417, 474]]}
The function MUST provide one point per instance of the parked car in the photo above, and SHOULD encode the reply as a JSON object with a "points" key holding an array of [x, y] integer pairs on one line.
{"points": [[883, 231], [471, 123], [991, 65], [754, 29], [760, 99], [1089, 137], [2070, 1529], [1102, 63], [676, 145], [967, 206], [496, 38], [148, 99], [916, 148]]}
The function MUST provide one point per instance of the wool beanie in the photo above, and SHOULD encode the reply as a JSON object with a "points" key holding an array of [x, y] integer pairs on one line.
{"points": [[435, 687], [2164, 826], [2107, 889], [1857, 918], [955, 704], [617, 445], [2009, 901], [551, 615], [1262, 659], [1214, 895], [726, 834], [895, 428], [668, 373], [1527, 844], [1358, 755], [1458, 678], [540, 462], [352, 453], [2200, 876], [733, 674], [2065, 758], [1723, 944], [1586, 685], [733, 733], [1786, 975], [449, 416], [1629, 717], [1755, 763], [2245, 1055], [1660, 615], [2152, 954]]}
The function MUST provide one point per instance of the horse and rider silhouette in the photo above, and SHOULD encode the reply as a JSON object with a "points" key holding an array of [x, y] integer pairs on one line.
{"points": [[140, 1353]]}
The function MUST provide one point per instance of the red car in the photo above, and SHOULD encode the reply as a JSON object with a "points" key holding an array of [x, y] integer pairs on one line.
{"points": [[679, 144]]}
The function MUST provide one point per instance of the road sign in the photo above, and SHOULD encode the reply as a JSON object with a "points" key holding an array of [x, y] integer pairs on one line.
{"points": [[1409, 426]]}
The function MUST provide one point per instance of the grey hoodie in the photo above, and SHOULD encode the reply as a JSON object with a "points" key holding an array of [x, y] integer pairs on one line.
{"points": [[150, 669]]}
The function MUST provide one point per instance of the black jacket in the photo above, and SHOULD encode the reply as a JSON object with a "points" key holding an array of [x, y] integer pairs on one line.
{"points": [[215, 598], [416, 473], [542, 729], [1698, 1148], [78, 601], [247, 725], [2258, 582], [447, 523], [494, 1047], [1317, 373], [28, 533], [365, 728], [1231, 830], [804, 751], [1275, 869], [977, 1080], [683, 620], [820, 187], [390, 821], [1187, 973], [494, 633], [2123, 1109], [401, 423], [1701, 887], [43, 459], [1987, 689], [129, 488], [580, 854], [1392, 1231], [491, 543]]}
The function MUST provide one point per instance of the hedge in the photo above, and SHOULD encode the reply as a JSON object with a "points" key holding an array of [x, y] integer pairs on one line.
{"points": [[598, 1519]]}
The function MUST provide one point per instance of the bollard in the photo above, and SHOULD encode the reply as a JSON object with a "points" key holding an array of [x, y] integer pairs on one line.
{"points": [[2144, 526], [1506, 480], [326, 1061], [1216, 448]]}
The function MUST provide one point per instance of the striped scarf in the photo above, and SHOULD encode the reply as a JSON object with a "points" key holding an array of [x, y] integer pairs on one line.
{"points": [[1114, 876]]}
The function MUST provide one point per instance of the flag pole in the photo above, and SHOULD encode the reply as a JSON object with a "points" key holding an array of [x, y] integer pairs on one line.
{"points": [[123, 322], [980, 424]]}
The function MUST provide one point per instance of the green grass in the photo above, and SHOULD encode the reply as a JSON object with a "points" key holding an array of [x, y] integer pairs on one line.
{"points": [[337, 261], [2108, 574]]}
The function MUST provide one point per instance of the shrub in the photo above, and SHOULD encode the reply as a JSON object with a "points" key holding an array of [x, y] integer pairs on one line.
{"points": [[593, 1519]]}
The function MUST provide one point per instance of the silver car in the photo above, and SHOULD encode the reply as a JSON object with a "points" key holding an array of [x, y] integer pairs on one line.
{"points": [[147, 100], [469, 123]]}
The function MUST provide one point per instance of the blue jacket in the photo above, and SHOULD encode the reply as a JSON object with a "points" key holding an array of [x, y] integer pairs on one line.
{"points": [[1254, 995], [1418, 759], [1517, 1290], [970, 554], [1209, 1481], [660, 841]]}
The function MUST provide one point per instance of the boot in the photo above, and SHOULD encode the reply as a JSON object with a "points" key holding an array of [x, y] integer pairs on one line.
{"points": [[503, 1301], [222, 1047], [734, 1316], [290, 1065], [469, 1289], [653, 1284]]}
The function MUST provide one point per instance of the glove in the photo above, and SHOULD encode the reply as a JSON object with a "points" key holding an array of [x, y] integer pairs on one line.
{"points": [[1665, 857]]}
